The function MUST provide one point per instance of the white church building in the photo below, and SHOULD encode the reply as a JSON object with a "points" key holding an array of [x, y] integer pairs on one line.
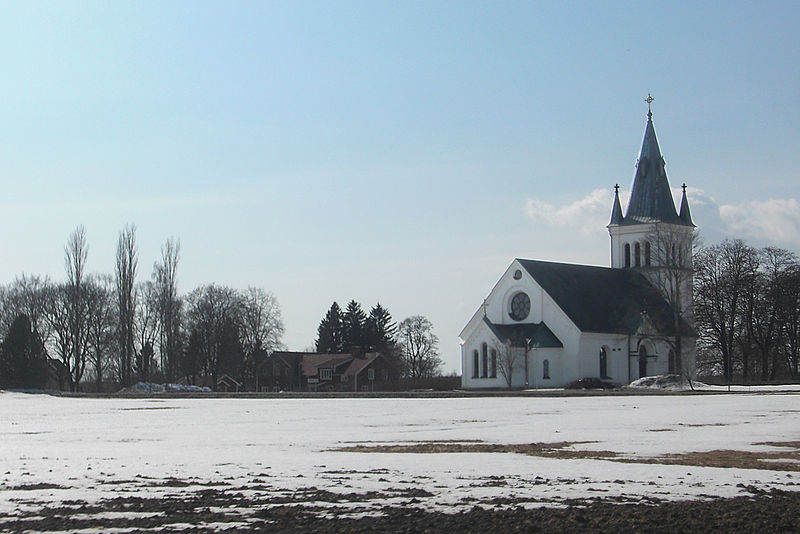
{"points": [[546, 324]]}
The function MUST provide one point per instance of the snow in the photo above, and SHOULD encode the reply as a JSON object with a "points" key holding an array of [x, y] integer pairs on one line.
{"points": [[148, 387], [92, 448], [679, 383]]}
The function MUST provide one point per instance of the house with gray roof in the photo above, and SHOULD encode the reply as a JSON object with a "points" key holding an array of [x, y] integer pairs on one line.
{"points": [[546, 324]]}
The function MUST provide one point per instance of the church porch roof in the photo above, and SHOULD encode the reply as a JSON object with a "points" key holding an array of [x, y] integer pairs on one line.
{"points": [[536, 334]]}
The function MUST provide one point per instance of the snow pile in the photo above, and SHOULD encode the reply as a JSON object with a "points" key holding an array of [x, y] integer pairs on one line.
{"points": [[149, 387], [185, 388], [665, 382]]}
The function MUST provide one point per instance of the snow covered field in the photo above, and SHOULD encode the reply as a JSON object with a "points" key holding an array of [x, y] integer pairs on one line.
{"points": [[57, 450]]}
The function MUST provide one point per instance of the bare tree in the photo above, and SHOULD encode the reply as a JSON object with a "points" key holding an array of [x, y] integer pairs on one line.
{"points": [[146, 330], [213, 321], [764, 324], [75, 254], [262, 328], [101, 316], [721, 275], [509, 360], [58, 321], [26, 295], [790, 318], [169, 308], [418, 348], [124, 277]]}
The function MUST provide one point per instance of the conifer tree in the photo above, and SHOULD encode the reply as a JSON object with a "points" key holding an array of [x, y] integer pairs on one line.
{"points": [[329, 332], [23, 361], [381, 330], [353, 323]]}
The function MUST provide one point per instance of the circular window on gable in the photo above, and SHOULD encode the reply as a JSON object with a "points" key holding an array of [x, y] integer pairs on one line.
{"points": [[520, 306]]}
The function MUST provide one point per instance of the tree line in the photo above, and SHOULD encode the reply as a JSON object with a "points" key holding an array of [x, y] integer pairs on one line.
{"points": [[96, 331], [747, 312], [411, 346]]}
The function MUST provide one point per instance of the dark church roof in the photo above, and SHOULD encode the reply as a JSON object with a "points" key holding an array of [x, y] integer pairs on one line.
{"points": [[602, 299], [651, 197], [537, 334]]}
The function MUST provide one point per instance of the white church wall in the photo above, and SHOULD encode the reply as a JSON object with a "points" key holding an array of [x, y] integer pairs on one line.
{"points": [[480, 335], [616, 357], [555, 375]]}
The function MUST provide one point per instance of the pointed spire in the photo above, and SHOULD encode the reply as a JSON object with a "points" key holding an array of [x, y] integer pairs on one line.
{"points": [[651, 197], [685, 215], [616, 210]]}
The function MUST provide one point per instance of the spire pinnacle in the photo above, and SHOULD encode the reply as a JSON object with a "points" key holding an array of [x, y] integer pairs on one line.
{"points": [[616, 209], [651, 197], [685, 215]]}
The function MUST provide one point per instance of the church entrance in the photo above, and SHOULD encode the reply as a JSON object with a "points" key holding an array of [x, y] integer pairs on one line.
{"points": [[642, 362]]}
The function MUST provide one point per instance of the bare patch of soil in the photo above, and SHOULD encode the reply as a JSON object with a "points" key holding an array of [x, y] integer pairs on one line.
{"points": [[771, 460], [34, 487], [560, 449], [787, 460]]}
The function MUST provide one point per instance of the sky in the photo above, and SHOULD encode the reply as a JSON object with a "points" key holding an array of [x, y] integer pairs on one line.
{"points": [[393, 152]]}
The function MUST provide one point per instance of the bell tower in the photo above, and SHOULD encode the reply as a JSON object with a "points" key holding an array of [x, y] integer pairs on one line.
{"points": [[652, 236]]}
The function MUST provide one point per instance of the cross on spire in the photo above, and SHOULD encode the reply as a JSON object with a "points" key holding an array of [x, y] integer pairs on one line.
{"points": [[684, 188], [649, 101], [616, 188]]}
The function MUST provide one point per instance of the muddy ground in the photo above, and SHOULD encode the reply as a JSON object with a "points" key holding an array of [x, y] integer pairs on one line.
{"points": [[232, 510]]}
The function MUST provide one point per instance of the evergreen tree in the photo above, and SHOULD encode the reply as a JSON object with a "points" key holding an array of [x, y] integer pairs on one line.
{"points": [[380, 329], [23, 362], [353, 327], [329, 332]]}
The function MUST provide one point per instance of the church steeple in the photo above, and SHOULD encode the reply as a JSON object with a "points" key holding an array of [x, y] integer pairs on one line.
{"points": [[685, 215], [651, 198], [638, 237], [616, 211]]}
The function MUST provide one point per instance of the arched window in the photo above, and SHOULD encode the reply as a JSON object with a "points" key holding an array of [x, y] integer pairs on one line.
{"points": [[671, 367], [603, 363], [475, 363], [546, 369], [642, 362], [493, 368], [647, 252], [627, 254], [484, 361], [637, 255]]}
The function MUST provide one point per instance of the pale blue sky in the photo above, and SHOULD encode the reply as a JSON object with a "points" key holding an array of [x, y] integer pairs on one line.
{"points": [[395, 152]]}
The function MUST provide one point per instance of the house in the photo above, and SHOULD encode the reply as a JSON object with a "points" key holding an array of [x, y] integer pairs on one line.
{"points": [[227, 384], [546, 324], [312, 371]]}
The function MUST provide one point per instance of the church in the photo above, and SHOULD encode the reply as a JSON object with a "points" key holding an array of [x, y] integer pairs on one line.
{"points": [[547, 324]]}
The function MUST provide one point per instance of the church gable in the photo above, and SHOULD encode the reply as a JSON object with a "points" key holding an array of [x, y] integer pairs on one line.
{"points": [[517, 299]]}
